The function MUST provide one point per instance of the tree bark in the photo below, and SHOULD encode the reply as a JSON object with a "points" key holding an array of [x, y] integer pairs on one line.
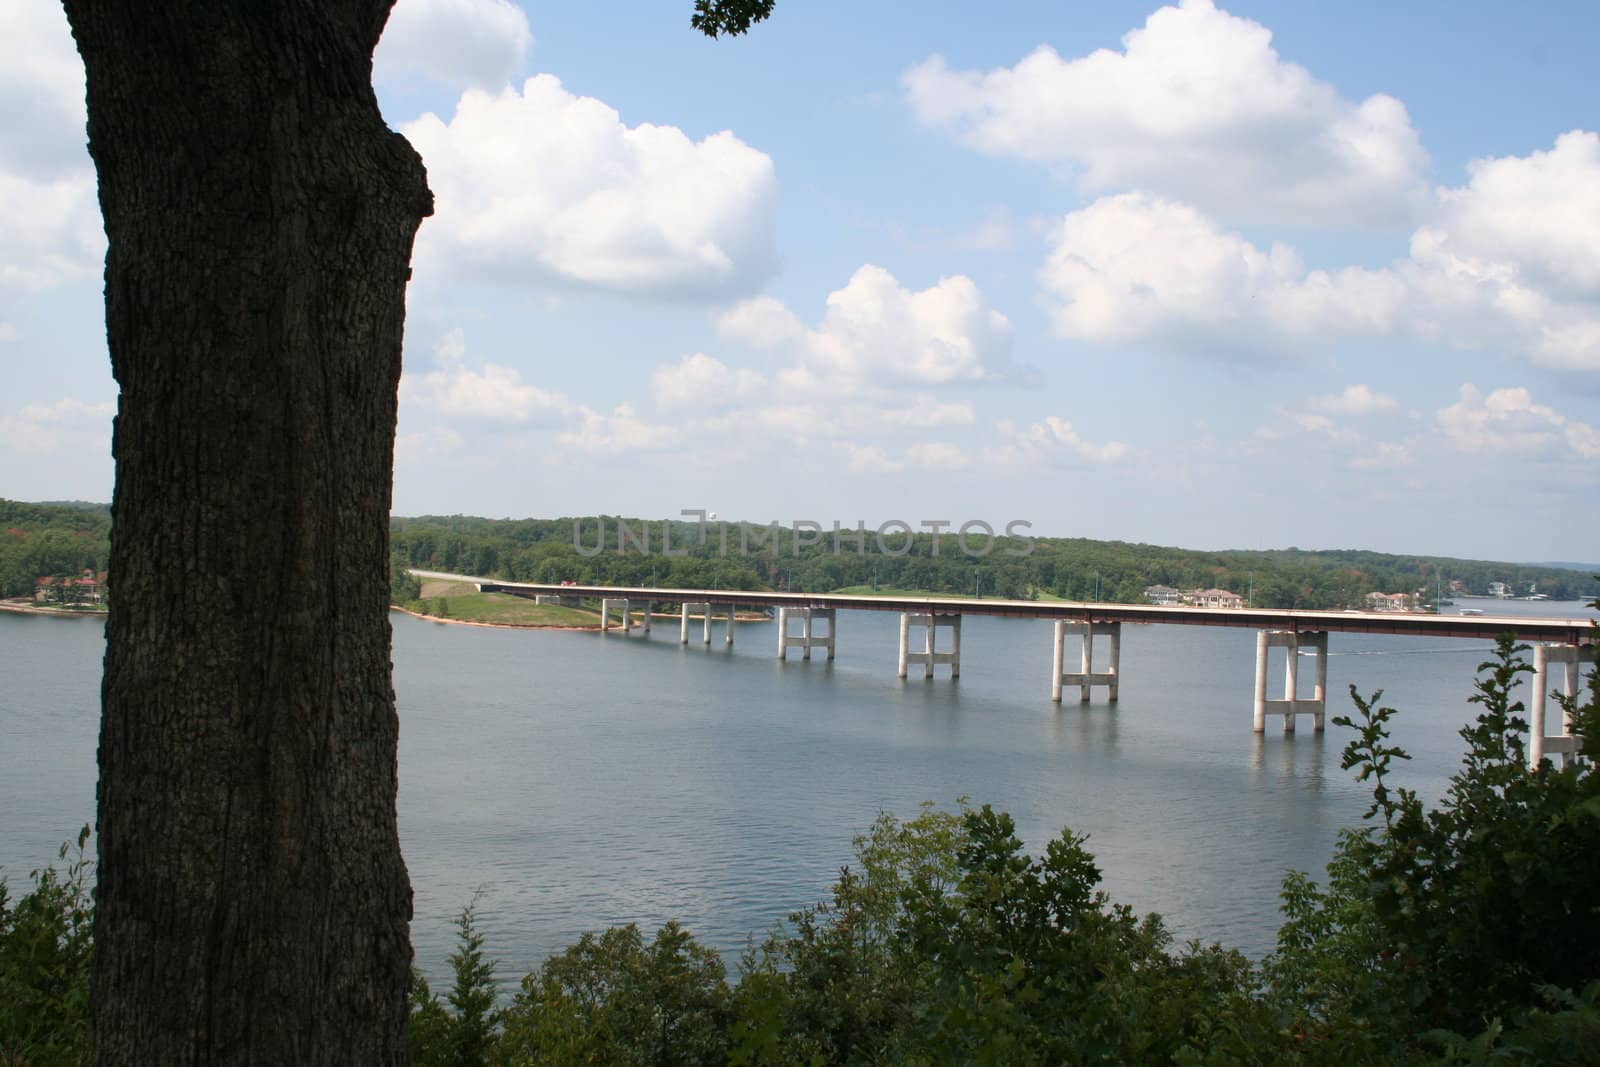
{"points": [[252, 904]]}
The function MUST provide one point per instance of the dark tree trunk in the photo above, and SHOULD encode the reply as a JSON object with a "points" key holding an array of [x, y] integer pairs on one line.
{"points": [[252, 904]]}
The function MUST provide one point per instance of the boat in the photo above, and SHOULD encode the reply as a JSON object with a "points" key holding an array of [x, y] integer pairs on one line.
{"points": [[1470, 611]]}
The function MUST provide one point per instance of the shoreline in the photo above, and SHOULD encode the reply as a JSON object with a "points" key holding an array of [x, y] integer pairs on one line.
{"points": [[595, 628], [495, 625], [59, 613]]}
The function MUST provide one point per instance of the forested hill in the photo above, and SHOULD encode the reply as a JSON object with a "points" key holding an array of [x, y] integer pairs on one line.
{"points": [[1074, 568], [39, 540], [53, 539]]}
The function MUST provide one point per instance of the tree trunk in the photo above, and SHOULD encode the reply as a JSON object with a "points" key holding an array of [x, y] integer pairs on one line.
{"points": [[252, 904]]}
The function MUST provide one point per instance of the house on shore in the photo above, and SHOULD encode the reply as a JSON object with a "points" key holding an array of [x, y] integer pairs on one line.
{"points": [[88, 587], [1162, 594], [1389, 602], [1215, 598]]}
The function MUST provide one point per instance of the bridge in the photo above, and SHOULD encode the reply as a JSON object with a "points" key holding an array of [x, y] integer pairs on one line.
{"points": [[1557, 642]]}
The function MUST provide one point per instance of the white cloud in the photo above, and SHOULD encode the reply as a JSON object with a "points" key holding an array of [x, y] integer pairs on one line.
{"points": [[876, 332], [1049, 442], [544, 187], [621, 430], [494, 392], [870, 459], [924, 412], [762, 321], [1136, 268], [425, 444], [42, 134], [68, 424], [1198, 106], [703, 383], [938, 455], [1321, 424], [1537, 216], [1509, 421], [460, 43], [50, 229], [1388, 455], [1354, 400]]}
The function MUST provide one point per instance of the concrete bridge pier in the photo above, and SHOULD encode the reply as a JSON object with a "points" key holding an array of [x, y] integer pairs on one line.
{"points": [[732, 613], [606, 604], [930, 655], [1540, 743], [806, 639], [1292, 703], [1086, 677], [683, 627]]}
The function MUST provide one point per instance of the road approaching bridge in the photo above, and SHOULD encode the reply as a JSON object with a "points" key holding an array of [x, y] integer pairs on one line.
{"points": [[1557, 641]]}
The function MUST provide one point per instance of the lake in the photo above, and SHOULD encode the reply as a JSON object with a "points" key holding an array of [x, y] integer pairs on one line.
{"points": [[571, 780]]}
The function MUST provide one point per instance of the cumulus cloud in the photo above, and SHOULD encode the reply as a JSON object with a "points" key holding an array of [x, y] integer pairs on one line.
{"points": [[42, 134], [1388, 455], [492, 392], [425, 444], [702, 383], [1139, 268], [543, 187], [1052, 442], [50, 230], [1354, 400], [1536, 216], [876, 332], [870, 459], [938, 456], [1196, 106], [68, 424], [460, 43], [1509, 421], [923, 412], [620, 430]]}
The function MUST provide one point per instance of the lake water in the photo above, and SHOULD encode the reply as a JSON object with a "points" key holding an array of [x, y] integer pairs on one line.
{"points": [[574, 780]]}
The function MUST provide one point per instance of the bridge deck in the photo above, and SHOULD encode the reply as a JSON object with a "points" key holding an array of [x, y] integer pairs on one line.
{"points": [[1566, 631]]}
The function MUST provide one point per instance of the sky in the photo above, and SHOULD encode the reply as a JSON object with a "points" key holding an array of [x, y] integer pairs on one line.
{"points": [[1244, 276]]}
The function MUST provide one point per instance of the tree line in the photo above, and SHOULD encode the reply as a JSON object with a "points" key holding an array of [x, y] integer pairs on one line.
{"points": [[50, 540], [41, 540], [755, 556]]}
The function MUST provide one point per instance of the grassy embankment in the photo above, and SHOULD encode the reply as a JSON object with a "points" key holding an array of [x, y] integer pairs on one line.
{"points": [[461, 602]]}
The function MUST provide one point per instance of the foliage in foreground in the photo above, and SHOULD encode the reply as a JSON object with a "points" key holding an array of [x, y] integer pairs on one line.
{"points": [[1461, 934], [1467, 933], [44, 967]]}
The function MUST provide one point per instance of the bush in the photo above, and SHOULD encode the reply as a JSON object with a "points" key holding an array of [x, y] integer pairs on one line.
{"points": [[44, 966], [1475, 917]]}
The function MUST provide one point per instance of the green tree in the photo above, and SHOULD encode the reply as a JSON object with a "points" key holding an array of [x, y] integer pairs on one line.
{"points": [[464, 1033], [613, 999]]}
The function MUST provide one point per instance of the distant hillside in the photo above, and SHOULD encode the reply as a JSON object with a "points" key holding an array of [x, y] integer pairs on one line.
{"points": [[1074, 568], [39, 540], [60, 538], [75, 505]]}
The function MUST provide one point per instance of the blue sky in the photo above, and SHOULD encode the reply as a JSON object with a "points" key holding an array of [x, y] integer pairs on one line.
{"points": [[1253, 275]]}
